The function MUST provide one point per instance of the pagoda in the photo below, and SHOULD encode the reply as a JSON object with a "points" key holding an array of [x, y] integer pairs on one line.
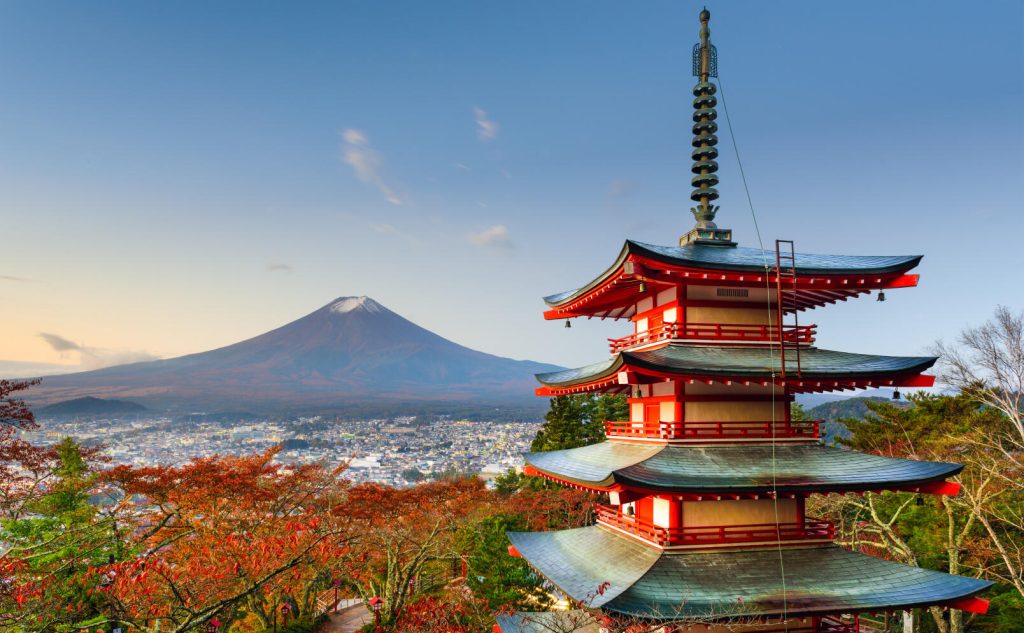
{"points": [[707, 481]]}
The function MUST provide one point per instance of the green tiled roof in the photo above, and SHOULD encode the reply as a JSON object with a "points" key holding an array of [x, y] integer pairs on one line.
{"points": [[735, 468], [548, 622], [742, 259], [735, 361], [642, 581]]}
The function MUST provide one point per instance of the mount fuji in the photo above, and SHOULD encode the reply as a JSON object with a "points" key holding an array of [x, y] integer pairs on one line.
{"points": [[351, 353]]}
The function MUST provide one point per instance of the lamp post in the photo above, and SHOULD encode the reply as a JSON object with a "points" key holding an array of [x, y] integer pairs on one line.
{"points": [[337, 583], [285, 610], [375, 604]]}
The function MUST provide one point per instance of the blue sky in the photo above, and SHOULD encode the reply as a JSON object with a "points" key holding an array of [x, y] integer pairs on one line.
{"points": [[179, 176]]}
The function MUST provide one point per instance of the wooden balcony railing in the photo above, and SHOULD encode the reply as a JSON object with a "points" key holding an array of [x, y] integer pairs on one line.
{"points": [[803, 429], [719, 332], [833, 624], [810, 529]]}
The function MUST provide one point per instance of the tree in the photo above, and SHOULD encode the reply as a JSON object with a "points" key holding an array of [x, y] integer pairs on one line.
{"points": [[64, 526], [987, 365], [226, 536], [407, 543], [578, 420], [413, 475], [947, 534], [503, 581], [14, 412]]}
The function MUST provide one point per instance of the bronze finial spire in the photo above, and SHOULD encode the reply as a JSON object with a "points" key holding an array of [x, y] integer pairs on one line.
{"points": [[705, 66]]}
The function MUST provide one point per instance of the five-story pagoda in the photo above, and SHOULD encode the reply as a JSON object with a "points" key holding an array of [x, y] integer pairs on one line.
{"points": [[707, 480]]}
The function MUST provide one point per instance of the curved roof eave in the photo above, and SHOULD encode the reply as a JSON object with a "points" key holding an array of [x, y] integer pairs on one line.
{"points": [[731, 361], [634, 579], [742, 259], [735, 468]]}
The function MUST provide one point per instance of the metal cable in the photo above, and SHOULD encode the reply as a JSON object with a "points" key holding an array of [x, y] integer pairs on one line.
{"points": [[771, 349]]}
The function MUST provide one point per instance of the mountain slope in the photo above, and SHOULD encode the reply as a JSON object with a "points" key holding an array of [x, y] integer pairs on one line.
{"points": [[351, 350], [92, 406]]}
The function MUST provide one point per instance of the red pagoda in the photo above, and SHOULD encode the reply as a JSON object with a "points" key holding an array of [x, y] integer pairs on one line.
{"points": [[707, 481]]}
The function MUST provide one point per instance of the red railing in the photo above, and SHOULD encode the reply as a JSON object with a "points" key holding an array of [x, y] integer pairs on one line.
{"points": [[811, 529], [803, 429], [715, 332], [833, 624]]}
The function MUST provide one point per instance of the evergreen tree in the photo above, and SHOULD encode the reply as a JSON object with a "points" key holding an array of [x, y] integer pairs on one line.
{"points": [[578, 420]]}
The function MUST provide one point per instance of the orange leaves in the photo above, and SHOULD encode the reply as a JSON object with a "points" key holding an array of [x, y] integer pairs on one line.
{"points": [[221, 528]]}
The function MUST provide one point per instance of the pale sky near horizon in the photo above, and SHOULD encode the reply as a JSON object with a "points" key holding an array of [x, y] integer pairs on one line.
{"points": [[180, 176]]}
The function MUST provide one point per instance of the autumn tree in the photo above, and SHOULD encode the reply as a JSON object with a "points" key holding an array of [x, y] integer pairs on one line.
{"points": [[407, 543], [226, 536]]}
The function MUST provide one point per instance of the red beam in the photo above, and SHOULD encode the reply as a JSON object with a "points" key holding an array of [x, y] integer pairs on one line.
{"points": [[971, 605], [903, 281], [920, 380], [944, 488], [512, 551]]}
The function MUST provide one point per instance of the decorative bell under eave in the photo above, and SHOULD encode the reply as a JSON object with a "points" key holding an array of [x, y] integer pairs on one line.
{"points": [[881, 295], [896, 394], [643, 287], [568, 324]]}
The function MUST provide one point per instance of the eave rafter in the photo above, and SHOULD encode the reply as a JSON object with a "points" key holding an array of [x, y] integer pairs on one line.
{"points": [[606, 299], [628, 493], [642, 376]]}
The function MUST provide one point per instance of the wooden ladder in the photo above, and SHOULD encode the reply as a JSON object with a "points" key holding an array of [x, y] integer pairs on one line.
{"points": [[786, 301]]}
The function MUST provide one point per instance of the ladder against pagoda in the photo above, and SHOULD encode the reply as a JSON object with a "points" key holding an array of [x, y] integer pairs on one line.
{"points": [[705, 485]]}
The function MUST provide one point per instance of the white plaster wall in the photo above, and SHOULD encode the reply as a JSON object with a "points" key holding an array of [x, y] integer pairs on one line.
{"points": [[734, 411], [740, 512], [661, 512], [663, 388]]}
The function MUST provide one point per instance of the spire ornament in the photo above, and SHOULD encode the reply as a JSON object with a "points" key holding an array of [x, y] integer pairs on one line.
{"points": [[705, 167]]}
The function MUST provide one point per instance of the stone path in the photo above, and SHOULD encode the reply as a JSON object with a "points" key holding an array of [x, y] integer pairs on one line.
{"points": [[347, 620]]}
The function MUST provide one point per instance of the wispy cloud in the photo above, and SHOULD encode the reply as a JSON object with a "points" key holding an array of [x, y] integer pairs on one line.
{"points": [[620, 188], [496, 237], [367, 163], [20, 280], [486, 129], [383, 228], [618, 195], [94, 357]]}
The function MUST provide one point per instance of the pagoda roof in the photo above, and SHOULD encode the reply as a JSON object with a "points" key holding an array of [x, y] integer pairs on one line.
{"points": [[738, 362], [605, 570], [727, 469], [576, 620], [740, 260]]}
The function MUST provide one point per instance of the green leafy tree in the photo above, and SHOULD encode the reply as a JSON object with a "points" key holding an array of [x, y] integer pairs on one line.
{"points": [[495, 576], [944, 533], [70, 527], [578, 420]]}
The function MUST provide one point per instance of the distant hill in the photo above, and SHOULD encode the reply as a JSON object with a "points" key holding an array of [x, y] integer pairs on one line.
{"points": [[91, 406], [353, 353], [849, 408], [832, 412]]}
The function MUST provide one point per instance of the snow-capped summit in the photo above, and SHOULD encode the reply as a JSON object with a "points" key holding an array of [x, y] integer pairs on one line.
{"points": [[343, 305]]}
